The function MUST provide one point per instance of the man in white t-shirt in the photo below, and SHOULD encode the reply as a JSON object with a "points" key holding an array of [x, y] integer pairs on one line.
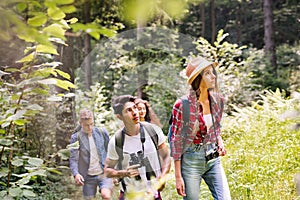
{"points": [[142, 161]]}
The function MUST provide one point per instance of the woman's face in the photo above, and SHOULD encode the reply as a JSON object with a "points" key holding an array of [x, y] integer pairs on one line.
{"points": [[142, 110], [208, 78]]}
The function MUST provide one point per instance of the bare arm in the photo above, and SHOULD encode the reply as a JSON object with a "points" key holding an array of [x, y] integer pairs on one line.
{"points": [[164, 154], [179, 180], [111, 172]]}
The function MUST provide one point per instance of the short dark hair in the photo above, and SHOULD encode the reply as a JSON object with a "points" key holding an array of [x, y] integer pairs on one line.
{"points": [[120, 101]]}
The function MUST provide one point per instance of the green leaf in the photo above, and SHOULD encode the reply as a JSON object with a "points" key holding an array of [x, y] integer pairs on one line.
{"points": [[4, 172], [63, 74], [15, 192], [55, 30], [78, 26], [72, 20], [12, 70], [64, 84], [35, 161], [68, 9], [20, 122], [63, 2], [94, 34], [3, 73], [53, 170], [5, 142], [64, 154], [3, 192], [40, 172], [2, 131], [35, 107], [37, 20], [40, 91], [21, 7], [27, 58], [74, 145], [28, 193], [23, 181], [55, 13], [17, 162], [107, 32], [54, 98], [19, 114], [46, 49], [49, 81]]}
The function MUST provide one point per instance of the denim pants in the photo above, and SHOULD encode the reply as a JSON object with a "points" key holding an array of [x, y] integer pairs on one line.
{"points": [[91, 183], [194, 168]]}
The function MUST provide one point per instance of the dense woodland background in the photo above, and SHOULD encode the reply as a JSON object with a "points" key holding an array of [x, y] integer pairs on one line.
{"points": [[57, 56]]}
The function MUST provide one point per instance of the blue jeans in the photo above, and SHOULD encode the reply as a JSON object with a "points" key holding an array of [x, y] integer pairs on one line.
{"points": [[194, 168]]}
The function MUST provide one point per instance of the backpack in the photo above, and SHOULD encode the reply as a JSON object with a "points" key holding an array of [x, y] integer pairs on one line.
{"points": [[186, 121], [119, 140]]}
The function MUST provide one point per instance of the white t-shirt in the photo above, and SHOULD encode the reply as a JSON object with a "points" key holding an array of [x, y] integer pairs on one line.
{"points": [[94, 168], [133, 144]]}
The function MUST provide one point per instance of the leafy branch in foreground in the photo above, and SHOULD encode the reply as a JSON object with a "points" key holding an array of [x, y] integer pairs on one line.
{"points": [[26, 86]]}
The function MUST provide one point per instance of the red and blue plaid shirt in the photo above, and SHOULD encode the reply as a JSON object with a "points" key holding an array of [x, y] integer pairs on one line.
{"points": [[203, 135]]}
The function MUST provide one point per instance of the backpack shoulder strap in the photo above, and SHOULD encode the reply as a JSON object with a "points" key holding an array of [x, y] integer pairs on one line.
{"points": [[119, 142], [150, 130], [185, 111]]}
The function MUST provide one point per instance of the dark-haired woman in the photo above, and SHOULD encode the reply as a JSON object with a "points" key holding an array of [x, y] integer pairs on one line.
{"points": [[197, 153], [146, 113]]}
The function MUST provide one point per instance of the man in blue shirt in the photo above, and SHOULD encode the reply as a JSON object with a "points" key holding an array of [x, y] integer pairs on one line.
{"points": [[87, 162]]}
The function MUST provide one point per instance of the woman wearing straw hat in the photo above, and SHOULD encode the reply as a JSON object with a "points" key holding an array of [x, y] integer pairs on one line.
{"points": [[197, 152]]}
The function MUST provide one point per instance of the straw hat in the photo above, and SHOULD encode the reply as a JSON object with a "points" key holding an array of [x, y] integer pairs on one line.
{"points": [[196, 66]]}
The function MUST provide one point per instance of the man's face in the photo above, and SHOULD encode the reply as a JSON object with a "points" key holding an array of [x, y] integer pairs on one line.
{"points": [[87, 125], [130, 114]]}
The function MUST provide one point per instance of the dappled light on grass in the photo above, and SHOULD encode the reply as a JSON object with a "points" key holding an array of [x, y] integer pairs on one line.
{"points": [[263, 149]]}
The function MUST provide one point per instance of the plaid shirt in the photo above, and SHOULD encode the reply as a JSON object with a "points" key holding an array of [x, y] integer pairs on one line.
{"points": [[203, 135]]}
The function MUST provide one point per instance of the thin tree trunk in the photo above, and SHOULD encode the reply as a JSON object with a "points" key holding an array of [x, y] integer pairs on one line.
{"points": [[238, 23], [270, 50], [142, 72], [213, 20], [87, 46], [202, 10]]}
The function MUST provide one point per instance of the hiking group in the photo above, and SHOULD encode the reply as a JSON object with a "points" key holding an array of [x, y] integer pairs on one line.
{"points": [[137, 157]]}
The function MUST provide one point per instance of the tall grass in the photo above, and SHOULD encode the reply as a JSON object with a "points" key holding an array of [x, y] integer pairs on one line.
{"points": [[263, 147]]}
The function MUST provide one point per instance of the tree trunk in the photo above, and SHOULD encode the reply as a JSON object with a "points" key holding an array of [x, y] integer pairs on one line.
{"points": [[270, 50], [65, 112], [213, 20], [202, 10], [238, 23], [142, 72], [87, 46]]}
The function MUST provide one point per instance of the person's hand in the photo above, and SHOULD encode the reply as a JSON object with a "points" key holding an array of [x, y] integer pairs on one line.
{"points": [[221, 149], [180, 186], [161, 183], [132, 171], [116, 181], [79, 180]]}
